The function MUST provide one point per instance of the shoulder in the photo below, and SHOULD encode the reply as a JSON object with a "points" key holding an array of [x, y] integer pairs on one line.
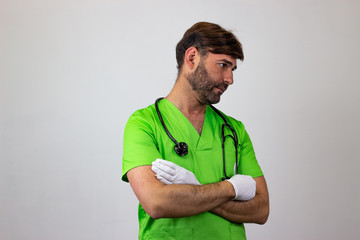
{"points": [[231, 120], [144, 112], [141, 121], [238, 126], [144, 115], [234, 121]]}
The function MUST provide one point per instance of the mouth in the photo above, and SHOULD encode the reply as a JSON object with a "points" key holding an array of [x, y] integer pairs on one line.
{"points": [[220, 89]]}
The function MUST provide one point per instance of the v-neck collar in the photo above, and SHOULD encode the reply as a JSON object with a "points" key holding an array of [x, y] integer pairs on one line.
{"points": [[189, 134]]}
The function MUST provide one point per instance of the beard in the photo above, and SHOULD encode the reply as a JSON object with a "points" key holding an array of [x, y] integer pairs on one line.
{"points": [[203, 84]]}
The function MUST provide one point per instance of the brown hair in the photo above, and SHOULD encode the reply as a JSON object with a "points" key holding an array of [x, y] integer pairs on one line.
{"points": [[208, 37]]}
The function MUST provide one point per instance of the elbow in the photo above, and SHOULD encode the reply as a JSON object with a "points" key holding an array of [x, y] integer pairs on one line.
{"points": [[263, 217], [262, 220], [154, 213], [155, 210]]}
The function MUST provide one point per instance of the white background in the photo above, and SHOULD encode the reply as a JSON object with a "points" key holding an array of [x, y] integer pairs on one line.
{"points": [[72, 72]]}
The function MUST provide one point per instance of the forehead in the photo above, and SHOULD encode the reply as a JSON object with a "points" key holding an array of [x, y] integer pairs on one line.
{"points": [[221, 57]]}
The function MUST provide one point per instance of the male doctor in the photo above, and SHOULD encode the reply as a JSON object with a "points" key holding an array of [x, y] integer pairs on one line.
{"points": [[211, 183]]}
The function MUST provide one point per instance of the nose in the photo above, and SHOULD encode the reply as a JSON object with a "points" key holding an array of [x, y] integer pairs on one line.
{"points": [[228, 77]]}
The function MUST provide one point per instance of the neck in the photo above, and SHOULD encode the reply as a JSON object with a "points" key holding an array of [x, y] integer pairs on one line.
{"points": [[185, 99]]}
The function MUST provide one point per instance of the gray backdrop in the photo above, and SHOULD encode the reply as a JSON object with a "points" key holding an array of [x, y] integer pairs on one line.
{"points": [[72, 72]]}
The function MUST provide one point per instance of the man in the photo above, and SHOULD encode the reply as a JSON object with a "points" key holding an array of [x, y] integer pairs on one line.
{"points": [[182, 195]]}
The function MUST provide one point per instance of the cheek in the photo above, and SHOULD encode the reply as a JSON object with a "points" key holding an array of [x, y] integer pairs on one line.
{"points": [[216, 74], [216, 78]]}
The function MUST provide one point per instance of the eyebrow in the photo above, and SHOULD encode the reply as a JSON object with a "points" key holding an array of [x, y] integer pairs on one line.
{"points": [[230, 63]]}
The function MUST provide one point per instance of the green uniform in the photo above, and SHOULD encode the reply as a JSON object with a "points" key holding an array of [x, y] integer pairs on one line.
{"points": [[146, 140]]}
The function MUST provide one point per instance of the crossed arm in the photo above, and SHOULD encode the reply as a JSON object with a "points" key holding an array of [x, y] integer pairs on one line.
{"points": [[181, 200], [252, 211]]}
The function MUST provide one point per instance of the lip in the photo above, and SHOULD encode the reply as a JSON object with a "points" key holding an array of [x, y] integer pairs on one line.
{"points": [[222, 90]]}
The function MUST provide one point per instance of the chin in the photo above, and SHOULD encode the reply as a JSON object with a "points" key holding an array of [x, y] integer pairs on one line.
{"points": [[213, 100], [209, 98]]}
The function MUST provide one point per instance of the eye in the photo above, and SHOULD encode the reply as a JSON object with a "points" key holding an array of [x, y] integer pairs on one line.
{"points": [[223, 65]]}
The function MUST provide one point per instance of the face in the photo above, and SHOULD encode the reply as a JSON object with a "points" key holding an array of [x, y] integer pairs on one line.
{"points": [[212, 77]]}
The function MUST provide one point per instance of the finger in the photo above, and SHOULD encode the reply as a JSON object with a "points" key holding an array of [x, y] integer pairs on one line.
{"points": [[155, 169], [163, 180], [167, 163], [159, 172], [164, 168]]}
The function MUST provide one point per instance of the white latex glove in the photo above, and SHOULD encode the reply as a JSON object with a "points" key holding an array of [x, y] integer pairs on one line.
{"points": [[170, 173], [244, 185]]}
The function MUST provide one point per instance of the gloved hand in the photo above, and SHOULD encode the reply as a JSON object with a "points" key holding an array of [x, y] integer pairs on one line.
{"points": [[170, 173], [244, 185]]}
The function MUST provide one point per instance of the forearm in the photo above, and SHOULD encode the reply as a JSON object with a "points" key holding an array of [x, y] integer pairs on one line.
{"points": [[170, 201], [253, 211]]}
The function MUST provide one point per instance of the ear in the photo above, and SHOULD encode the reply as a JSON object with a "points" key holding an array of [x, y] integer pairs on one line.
{"points": [[192, 57]]}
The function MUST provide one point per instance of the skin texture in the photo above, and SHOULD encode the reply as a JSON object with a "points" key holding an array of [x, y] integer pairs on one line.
{"points": [[160, 200], [203, 84], [253, 211], [179, 200], [202, 80]]}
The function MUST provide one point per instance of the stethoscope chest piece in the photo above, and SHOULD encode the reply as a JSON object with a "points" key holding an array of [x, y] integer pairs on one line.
{"points": [[181, 149]]}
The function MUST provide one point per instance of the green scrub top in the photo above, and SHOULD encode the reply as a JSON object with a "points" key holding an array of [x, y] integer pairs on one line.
{"points": [[145, 140]]}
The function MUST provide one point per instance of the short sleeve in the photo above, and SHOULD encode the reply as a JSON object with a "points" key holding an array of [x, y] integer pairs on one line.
{"points": [[248, 164], [139, 144]]}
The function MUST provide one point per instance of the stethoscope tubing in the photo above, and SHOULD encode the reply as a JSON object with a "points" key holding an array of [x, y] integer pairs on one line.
{"points": [[223, 137]]}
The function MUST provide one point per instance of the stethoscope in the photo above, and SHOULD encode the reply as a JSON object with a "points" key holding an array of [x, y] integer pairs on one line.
{"points": [[181, 148]]}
